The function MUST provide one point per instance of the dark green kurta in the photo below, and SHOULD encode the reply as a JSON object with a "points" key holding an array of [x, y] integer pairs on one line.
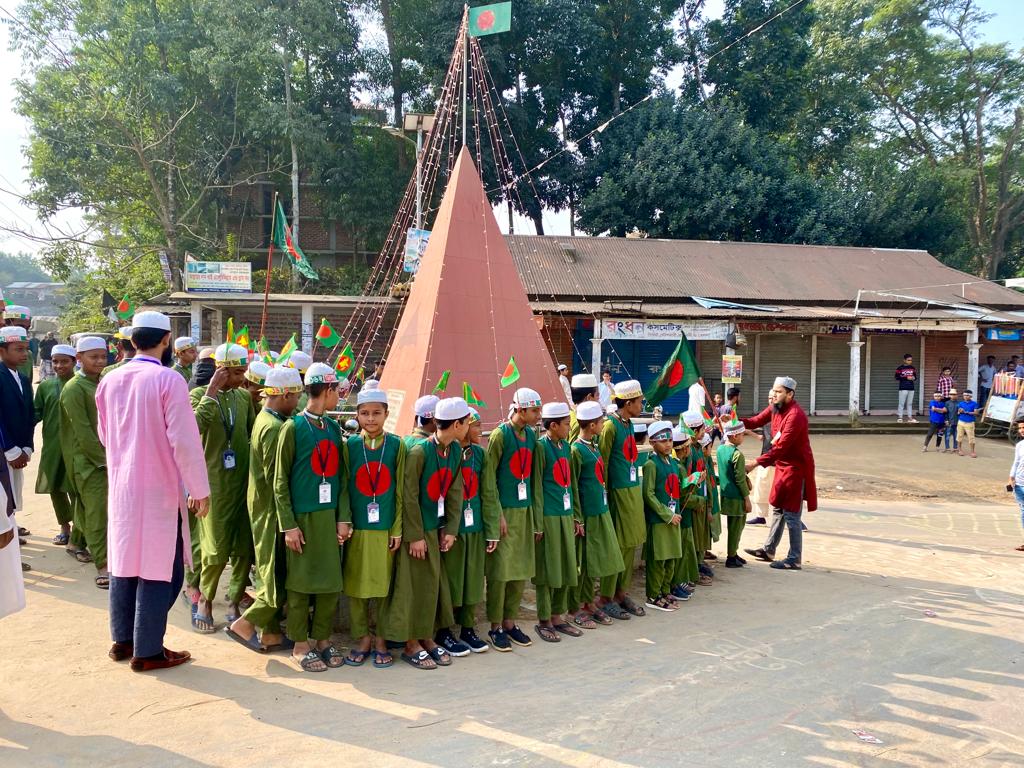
{"points": [[732, 479], [52, 477], [598, 550], [625, 496], [184, 370], [465, 563], [552, 481], [268, 542], [510, 462], [88, 461], [661, 503]]}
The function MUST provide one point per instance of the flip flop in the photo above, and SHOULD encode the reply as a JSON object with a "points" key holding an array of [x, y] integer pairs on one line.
{"points": [[421, 660], [378, 659], [1020, 548], [197, 617], [585, 620], [630, 605], [284, 645], [441, 656], [81, 555], [786, 565], [615, 611], [332, 657], [547, 634], [103, 582], [568, 629], [22, 531], [307, 663], [356, 658], [601, 618], [253, 643], [61, 539]]}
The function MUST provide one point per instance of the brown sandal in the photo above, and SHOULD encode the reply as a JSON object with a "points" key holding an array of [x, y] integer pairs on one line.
{"points": [[547, 634], [585, 620], [568, 629]]}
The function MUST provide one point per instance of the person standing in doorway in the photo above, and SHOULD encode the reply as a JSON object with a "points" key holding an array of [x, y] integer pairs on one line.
{"points": [[906, 375], [986, 375], [606, 390], [945, 382], [566, 382]]}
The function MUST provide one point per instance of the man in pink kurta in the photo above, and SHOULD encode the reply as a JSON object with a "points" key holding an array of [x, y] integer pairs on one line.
{"points": [[154, 457]]}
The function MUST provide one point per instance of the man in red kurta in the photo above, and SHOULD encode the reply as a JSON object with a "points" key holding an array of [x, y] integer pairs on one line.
{"points": [[790, 454]]}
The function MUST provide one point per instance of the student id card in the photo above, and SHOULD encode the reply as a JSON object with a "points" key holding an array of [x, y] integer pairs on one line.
{"points": [[632, 474], [467, 516], [373, 512], [522, 490], [325, 492], [672, 506], [440, 506], [229, 459], [566, 501]]}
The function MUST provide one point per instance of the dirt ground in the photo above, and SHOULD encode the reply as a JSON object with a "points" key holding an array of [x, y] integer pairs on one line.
{"points": [[898, 645]]}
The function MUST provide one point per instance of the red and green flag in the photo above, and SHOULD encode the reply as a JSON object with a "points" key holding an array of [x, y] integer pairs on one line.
{"points": [[471, 396], [345, 360], [490, 19], [242, 337], [125, 308], [326, 334], [679, 372], [286, 351], [511, 374], [283, 240], [360, 374], [442, 383]]}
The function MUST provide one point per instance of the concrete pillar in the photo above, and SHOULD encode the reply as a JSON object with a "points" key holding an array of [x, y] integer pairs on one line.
{"points": [[855, 344], [195, 329], [814, 372], [973, 350], [595, 351], [307, 328], [867, 380], [217, 328], [922, 383]]}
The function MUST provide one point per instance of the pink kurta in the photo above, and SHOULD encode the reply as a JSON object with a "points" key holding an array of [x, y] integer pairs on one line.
{"points": [[154, 454]]}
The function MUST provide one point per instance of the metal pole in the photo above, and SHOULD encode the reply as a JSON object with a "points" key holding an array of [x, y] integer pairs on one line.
{"points": [[419, 175], [465, 70]]}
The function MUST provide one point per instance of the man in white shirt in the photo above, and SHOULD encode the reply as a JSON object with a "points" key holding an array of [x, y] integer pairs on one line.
{"points": [[566, 382], [606, 390], [986, 374]]}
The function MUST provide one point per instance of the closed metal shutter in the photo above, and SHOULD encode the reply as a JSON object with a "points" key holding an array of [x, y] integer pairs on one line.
{"points": [[784, 354], [832, 374], [941, 349], [709, 358], [887, 353]]}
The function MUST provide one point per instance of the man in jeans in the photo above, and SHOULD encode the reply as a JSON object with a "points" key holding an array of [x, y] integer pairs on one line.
{"points": [[790, 454], [906, 375]]}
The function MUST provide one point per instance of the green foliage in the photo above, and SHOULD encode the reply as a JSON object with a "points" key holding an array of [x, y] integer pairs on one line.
{"points": [[334, 281], [20, 267]]}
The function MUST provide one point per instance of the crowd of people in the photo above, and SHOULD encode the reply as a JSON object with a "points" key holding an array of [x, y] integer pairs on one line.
{"points": [[162, 487]]}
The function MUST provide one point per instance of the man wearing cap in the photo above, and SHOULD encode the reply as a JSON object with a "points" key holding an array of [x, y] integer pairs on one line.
{"points": [[735, 488], [46, 356], [281, 387], [794, 484], [154, 452], [625, 496], [584, 390], [17, 416], [185, 355], [84, 454], [563, 379], [52, 476], [255, 381], [125, 349], [424, 427], [17, 316], [225, 416]]}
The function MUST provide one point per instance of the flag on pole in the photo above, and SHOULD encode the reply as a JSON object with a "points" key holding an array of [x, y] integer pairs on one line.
{"points": [[679, 372], [283, 240], [692, 479], [511, 374], [442, 383], [231, 331], [242, 337], [326, 335], [471, 396], [490, 19], [344, 362], [286, 351], [360, 374], [125, 309]]}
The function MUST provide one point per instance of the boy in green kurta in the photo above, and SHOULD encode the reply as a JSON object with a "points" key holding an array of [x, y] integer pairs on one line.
{"points": [[555, 493], [625, 497], [423, 420], [464, 562], [663, 511], [53, 476], [509, 464], [310, 492], [255, 381], [125, 349], [584, 390], [282, 388], [185, 356], [597, 551], [698, 502], [735, 488], [225, 415], [685, 571], [376, 467], [89, 458], [420, 600]]}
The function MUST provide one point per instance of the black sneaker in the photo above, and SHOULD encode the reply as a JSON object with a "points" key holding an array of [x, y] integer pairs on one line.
{"points": [[756, 521], [517, 636], [447, 640], [706, 570], [499, 639], [469, 637], [733, 562], [741, 559], [681, 593]]}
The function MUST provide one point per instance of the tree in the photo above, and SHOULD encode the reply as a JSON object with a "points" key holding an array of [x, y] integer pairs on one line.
{"points": [[20, 267]]}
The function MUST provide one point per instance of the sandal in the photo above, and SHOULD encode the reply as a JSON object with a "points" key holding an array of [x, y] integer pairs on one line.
{"points": [[547, 634], [421, 660], [203, 624], [441, 656], [253, 643], [103, 582], [382, 660], [786, 565], [332, 657], [568, 629], [614, 610], [630, 605], [81, 555], [311, 662], [356, 658], [585, 620], [601, 617], [1020, 548], [61, 539]]}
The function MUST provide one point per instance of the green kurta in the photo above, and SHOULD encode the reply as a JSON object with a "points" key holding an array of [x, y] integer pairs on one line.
{"points": [[732, 479], [420, 600], [509, 463], [598, 550], [307, 456], [79, 427], [113, 367], [374, 477], [715, 524], [574, 426], [184, 370], [465, 562], [555, 491], [52, 476], [625, 497], [661, 502], [266, 535], [225, 531]]}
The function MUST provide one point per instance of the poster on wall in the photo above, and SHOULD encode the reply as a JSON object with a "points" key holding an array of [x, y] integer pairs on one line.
{"points": [[415, 246], [732, 369]]}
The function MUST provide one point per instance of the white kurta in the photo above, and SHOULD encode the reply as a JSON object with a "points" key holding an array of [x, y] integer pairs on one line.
{"points": [[12, 584]]}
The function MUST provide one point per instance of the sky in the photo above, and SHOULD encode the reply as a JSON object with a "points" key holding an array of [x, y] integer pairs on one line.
{"points": [[1007, 24]]}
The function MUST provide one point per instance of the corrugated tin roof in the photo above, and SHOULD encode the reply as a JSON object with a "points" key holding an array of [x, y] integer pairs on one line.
{"points": [[604, 267]]}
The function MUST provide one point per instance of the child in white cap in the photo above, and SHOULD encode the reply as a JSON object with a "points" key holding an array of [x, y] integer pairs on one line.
{"points": [[662, 508], [732, 479], [584, 390], [185, 353], [423, 425]]}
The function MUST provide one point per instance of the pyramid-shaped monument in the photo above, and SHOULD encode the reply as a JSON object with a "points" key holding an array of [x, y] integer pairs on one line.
{"points": [[467, 312]]}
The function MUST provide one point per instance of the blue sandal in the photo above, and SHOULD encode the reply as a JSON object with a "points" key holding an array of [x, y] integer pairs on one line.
{"points": [[198, 617], [378, 659], [356, 658], [253, 643]]}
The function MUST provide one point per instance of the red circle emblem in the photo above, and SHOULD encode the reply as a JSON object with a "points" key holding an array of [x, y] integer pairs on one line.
{"points": [[561, 472], [373, 479], [438, 482], [629, 449], [470, 483], [672, 486], [700, 465], [485, 20], [324, 459], [675, 373], [599, 470], [521, 463]]}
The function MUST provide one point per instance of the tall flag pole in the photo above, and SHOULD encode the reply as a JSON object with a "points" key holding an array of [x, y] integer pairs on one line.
{"points": [[465, 70], [270, 265]]}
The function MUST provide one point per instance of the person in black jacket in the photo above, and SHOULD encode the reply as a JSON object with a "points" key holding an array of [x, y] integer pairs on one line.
{"points": [[906, 376], [17, 414]]}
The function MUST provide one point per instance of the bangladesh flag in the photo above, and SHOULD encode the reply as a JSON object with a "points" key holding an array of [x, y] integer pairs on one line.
{"points": [[283, 240], [286, 351], [125, 309], [442, 383], [326, 334], [490, 19], [471, 396], [691, 479], [361, 373], [679, 372], [344, 362], [511, 374]]}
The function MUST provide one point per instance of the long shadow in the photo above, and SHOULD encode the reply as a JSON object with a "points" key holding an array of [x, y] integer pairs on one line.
{"points": [[904, 543]]}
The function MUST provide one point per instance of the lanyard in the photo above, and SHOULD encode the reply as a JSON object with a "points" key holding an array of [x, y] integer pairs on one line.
{"points": [[138, 359], [442, 492], [374, 481], [629, 428], [322, 457], [228, 419]]}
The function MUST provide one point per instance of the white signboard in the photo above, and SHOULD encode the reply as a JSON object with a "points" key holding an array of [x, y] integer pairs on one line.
{"points": [[1001, 409], [664, 330], [395, 399], [218, 276]]}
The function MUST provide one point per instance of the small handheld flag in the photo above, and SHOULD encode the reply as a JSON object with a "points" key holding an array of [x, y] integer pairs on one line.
{"points": [[471, 396], [125, 309], [442, 383], [286, 351], [242, 337], [326, 334], [344, 362], [231, 330], [511, 374], [360, 374]]}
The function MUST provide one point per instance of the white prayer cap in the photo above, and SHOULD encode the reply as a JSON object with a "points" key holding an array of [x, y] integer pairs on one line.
{"points": [[17, 312], [206, 353], [678, 436], [150, 319], [371, 384], [474, 415], [525, 397], [62, 349], [563, 367], [301, 361], [584, 381], [639, 428], [451, 409], [660, 430], [282, 381], [231, 356], [705, 439], [425, 406], [371, 393], [320, 373], [693, 419], [786, 381], [257, 372], [182, 343], [589, 411], [90, 343], [734, 428], [556, 410], [611, 408], [628, 390], [12, 333]]}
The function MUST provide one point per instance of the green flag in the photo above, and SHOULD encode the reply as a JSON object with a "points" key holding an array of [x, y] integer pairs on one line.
{"points": [[442, 383], [326, 334], [125, 309], [511, 374], [679, 372], [286, 351], [470, 395], [283, 240], [490, 19]]}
